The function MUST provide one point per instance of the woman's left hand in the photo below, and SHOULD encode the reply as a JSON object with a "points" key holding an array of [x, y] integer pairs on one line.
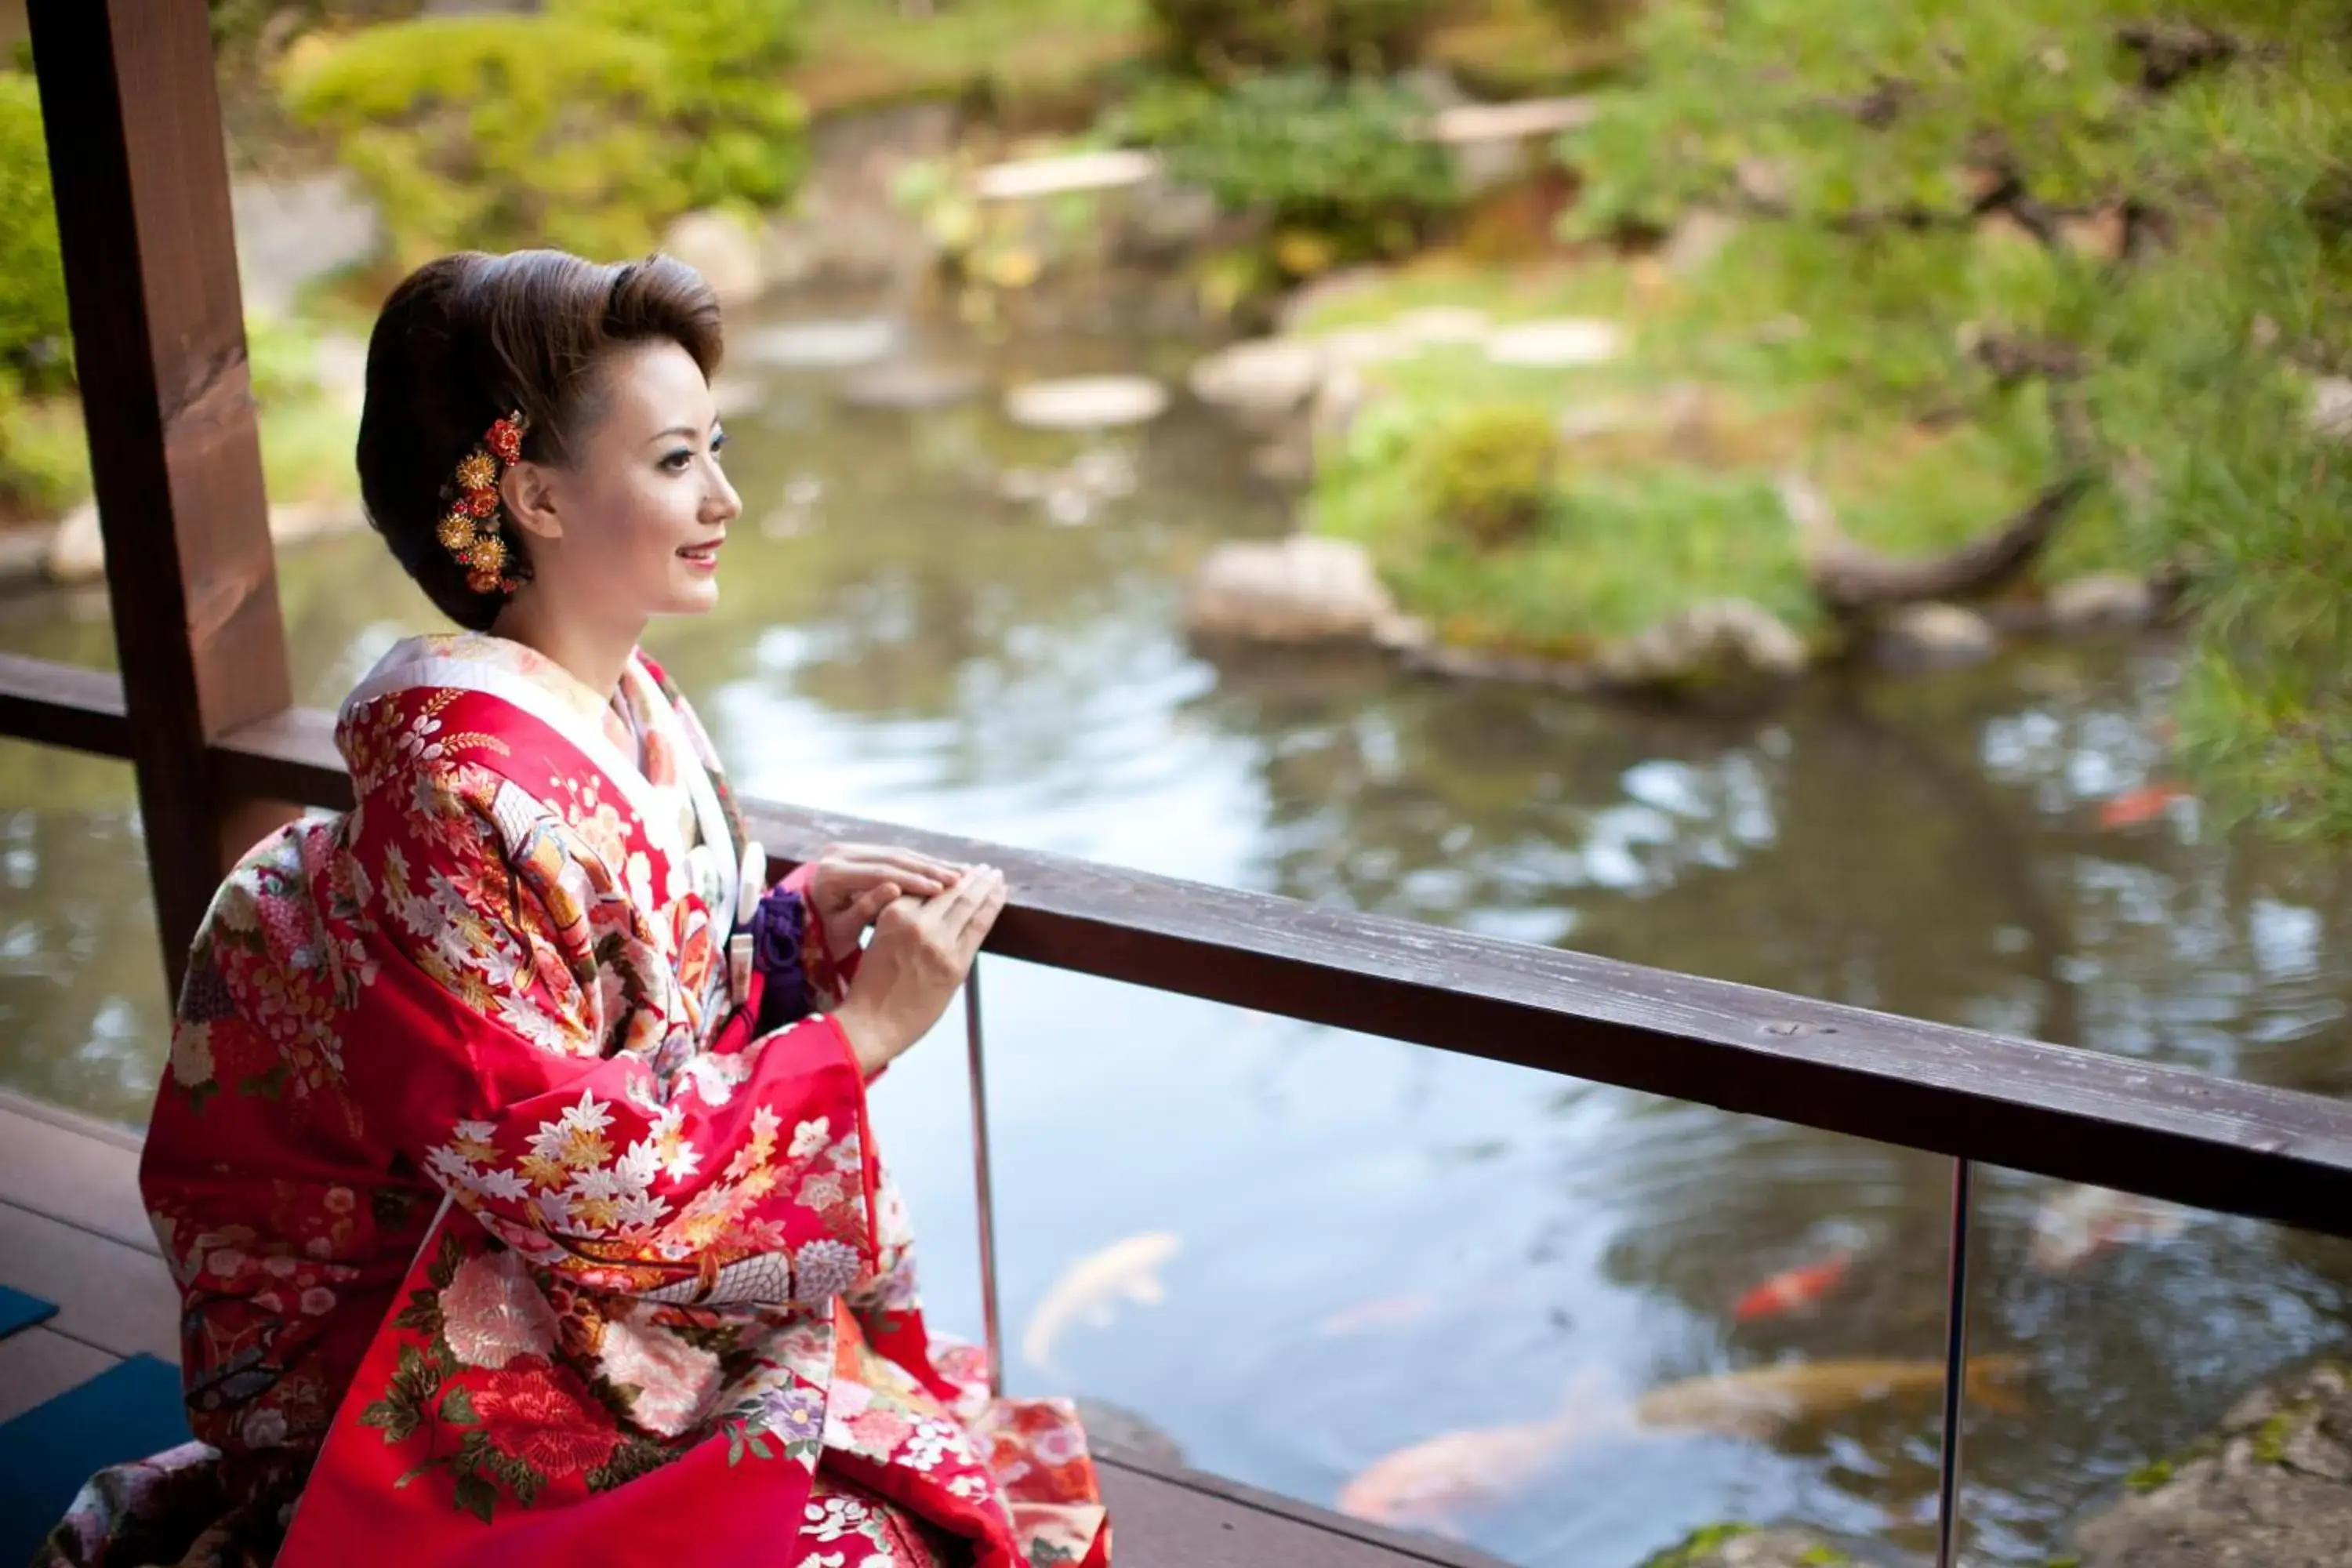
{"points": [[850, 884]]}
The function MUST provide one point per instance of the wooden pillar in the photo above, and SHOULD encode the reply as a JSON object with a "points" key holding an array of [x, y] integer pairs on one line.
{"points": [[141, 175]]}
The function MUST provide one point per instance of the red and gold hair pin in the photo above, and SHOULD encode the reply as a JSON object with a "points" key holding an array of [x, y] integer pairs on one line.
{"points": [[470, 531]]}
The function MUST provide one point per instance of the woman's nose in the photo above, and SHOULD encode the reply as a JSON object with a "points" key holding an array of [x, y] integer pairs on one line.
{"points": [[722, 505]]}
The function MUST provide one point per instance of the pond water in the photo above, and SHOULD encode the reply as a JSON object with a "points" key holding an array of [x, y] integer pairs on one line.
{"points": [[1379, 1243]]}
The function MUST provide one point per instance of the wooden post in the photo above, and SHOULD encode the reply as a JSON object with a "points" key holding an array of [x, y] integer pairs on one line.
{"points": [[141, 175]]}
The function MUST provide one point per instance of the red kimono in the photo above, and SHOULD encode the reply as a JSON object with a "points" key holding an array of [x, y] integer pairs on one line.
{"points": [[501, 1237]]}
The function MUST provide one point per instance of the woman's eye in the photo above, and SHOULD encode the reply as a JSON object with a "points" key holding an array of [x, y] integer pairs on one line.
{"points": [[675, 462], [717, 446]]}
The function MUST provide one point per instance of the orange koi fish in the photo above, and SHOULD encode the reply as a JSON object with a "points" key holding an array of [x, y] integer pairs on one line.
{"points": [[2136, 806], [1793, 1288]]}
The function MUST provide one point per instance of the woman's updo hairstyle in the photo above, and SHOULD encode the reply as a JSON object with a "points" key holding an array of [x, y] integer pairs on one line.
{"points": [[468, 339]]}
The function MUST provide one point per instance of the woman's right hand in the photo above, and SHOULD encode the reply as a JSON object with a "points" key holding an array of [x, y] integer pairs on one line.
{"points": [[921, 951]]}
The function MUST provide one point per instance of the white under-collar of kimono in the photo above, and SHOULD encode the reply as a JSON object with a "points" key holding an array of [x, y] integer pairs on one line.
{"points": [[500, 668]]}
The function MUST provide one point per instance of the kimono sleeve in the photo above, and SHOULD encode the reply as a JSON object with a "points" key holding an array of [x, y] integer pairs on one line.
{"points": [[525, 1038]]}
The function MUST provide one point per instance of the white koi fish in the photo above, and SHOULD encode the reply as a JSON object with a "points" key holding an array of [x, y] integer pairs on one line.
{"points": [[1088, 1288]]}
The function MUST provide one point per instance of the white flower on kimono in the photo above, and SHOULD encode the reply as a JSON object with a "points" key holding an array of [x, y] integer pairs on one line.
{"points": [[821, 1193], [1058, 1446], [452, 1169], [640, 881], [675, 1380], [809, 1137], [263, 1426], [829, 1519], [824, 1269], [540, 1027], [714, 1078], [491, 1313], [576, 1139], [192, 1054], [970, 1487]]}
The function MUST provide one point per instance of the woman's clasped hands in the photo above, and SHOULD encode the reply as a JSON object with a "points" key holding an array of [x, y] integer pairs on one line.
{"points": [[929, 918]]}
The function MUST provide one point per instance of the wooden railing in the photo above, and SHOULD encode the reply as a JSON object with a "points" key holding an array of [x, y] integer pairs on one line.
{"points": [[2054, 1110]]}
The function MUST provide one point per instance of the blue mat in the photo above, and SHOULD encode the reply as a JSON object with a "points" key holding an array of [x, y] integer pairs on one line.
{"points": [[129, 1411], [18, 1310]]}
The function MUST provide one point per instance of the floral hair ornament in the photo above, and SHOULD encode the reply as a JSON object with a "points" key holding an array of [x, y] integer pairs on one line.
{"points": [[470, 531]]}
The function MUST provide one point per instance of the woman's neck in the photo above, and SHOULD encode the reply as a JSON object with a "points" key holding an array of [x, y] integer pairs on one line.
{"points": [[593, 654]]}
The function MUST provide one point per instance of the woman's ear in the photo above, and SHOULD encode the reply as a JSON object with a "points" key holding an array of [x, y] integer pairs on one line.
{"points": [[527, 494]]}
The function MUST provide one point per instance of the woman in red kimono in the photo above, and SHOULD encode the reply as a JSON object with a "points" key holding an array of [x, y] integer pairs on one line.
{"points": [[513, 1158]]}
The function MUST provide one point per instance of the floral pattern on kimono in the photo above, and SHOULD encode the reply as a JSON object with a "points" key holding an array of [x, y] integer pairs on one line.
{"points": [[501, 1234]]}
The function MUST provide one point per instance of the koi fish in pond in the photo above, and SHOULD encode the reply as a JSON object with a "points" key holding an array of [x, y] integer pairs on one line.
{"points": [[1794, 1289], [2076, 1224], [1089, 1289], [1433, 1483], [2136, 808]]}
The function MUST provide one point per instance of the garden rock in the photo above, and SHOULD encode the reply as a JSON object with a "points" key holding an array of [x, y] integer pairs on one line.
{"points": [[1302, 589], [2331, 407], [2272, 1488], [1721, 639], [2101, 601], [723, 249], [818, 345], [1563, 343], [1087, 403], [911, 386], [1442, 324], [1935, 635], [1265, 378]]}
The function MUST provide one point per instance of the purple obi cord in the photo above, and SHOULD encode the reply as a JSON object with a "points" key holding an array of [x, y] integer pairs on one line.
{"points": [[779, 924]]}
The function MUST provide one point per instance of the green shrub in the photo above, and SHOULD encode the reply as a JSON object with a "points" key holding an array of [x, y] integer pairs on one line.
{"points": [[43, 454], [587, 127], [34, 332], [1221, 39], [1488, 473], [1331, 154], [727, 61]]}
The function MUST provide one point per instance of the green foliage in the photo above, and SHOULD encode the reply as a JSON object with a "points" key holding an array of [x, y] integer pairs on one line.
{"points": [[1333, 155], [727, 60], [586, 127], [43, 454], [35, 336], [1866, 140], [1488, 472], [1220, 39]]}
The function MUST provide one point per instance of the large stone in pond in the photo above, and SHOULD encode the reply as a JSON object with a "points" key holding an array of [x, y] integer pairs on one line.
{"points": [[724, 249], [2101, 601], [819, 344], [1563, 343], [1719, 639], [1087, 403], [2271, 1489], [1265, 378], [1748, 1546], [1302, 589], [911, 386], [1935, 635]]}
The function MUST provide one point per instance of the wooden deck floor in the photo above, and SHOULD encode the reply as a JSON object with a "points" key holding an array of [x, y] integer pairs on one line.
{"points": [[72, 1231]]}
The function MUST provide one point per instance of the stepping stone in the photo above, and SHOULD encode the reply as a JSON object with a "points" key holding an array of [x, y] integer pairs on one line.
{"points": [[1367, 345], [1443, 324], [1264, 376], [811, 345], [1025, 178], [1087, 403], [911, 386], [1562, 344]]}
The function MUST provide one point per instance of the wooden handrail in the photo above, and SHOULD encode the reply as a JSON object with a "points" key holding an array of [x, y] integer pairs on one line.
{"points": [[2054, 1110]]}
